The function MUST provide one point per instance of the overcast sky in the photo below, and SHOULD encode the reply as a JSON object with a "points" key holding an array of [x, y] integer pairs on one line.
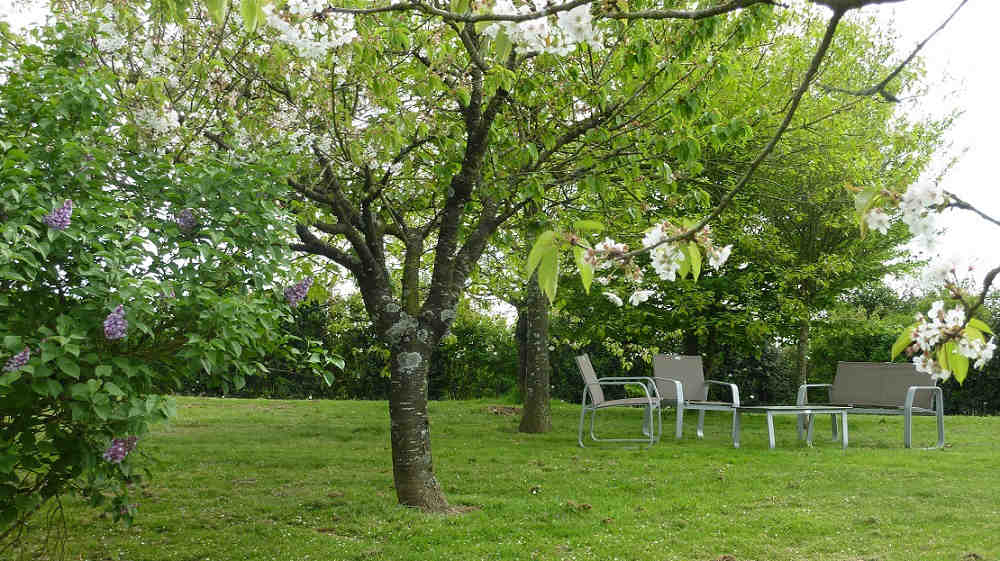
{"points": [[962, 67]]}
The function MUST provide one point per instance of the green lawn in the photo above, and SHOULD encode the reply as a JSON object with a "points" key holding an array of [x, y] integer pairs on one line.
{"points": [[255, 479]]}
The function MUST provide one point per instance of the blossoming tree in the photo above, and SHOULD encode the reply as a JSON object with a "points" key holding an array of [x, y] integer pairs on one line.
{"points": [[414, 131]]}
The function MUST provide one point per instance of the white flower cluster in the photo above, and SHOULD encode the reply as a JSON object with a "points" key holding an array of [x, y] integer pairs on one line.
{"points": [[940, 326], [878, 220], [109, 38], [160, 121], [312, 37], [570, 28], [667, 258], [917, 205]]}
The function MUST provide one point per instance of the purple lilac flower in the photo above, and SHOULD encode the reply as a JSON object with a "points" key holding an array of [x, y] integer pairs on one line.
{"points": [[18, 360], [186, 220], [119, 448], [115, 324], [297, 292], [59, 218]]}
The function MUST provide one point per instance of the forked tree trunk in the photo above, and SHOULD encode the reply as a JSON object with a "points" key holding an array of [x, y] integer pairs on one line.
{"points": [[802, 351], [412, 465], [533, 354]]}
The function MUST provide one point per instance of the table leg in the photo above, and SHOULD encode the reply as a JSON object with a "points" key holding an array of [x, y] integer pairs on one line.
{"points": [[809, 430], [843, 429], [770, 430]]}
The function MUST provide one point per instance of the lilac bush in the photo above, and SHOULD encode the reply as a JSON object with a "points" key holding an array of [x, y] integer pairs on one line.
{"points": [[186, 220], [59, 218], [18, 360], [297, 292], [119, 448], [115, 324]]}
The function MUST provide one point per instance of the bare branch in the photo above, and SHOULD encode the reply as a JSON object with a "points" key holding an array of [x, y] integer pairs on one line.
{"points": [[956, 202], [879, 88], [824, 46]]}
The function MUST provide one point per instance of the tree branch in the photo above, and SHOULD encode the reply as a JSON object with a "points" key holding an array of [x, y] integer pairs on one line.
{"points": [[879, 88], [959, 203], [820, 53]]}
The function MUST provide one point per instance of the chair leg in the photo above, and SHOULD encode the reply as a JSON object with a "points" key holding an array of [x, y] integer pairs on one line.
{"points": [[907, 427], [833, 425], [593, 421], [736, 428], [680, 421], [701, 423], [579, 434], [843, 430]]}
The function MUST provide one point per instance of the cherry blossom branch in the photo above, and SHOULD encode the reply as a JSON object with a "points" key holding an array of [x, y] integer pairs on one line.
{"points": [[703, 13]]}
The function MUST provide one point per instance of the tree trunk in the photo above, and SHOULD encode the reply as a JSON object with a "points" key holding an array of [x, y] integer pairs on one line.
{"points": [[533, 355], [802, 350], [412, 465]]}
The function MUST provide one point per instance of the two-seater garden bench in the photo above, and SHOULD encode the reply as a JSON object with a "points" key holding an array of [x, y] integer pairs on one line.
{"points": [[882, 388]]}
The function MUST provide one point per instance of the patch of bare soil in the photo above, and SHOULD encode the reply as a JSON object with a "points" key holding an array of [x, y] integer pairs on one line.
{"points": [[505, 410]]}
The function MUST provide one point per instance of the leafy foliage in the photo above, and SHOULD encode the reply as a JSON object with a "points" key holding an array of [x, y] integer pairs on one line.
{"points": [[115, 301]]}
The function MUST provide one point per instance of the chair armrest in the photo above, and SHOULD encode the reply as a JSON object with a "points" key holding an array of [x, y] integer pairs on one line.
{"points": [[644, 381], [678, 386], [911, 393], [803, 398], [732, 387]]}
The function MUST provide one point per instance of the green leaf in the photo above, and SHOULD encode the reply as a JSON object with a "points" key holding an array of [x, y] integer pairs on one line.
{"points": [[103, 371], [464, 97], [337, 361], [685, 266], [586, 269], [694, 253], [974, 334], [502, 44], [980, 325], [71, 368], [543, 245], [586, 226], [959, 365], [903, 341], [113, 389], [548, 274], [9, 378], [216, 9], [248, 9]]}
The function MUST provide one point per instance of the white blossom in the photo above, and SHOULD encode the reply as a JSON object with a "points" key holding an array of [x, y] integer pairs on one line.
{"points": [[640, 296], [614, 299], [717, 257], [878, 220]]}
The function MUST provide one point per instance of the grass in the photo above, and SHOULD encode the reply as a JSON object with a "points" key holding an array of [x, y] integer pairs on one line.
{"points": [[296, 480]]}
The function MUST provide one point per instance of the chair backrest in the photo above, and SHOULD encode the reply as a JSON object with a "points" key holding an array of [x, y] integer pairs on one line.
{"points": [[880, 383], [590, 379], [687, 369]]}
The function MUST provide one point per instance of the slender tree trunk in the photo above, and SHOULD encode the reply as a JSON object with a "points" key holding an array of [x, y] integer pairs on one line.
{"points": [[533, 353], [412, 465], [802, 350]]}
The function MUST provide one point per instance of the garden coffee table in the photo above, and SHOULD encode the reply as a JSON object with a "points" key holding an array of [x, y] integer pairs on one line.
{"points": [[810, 410]]}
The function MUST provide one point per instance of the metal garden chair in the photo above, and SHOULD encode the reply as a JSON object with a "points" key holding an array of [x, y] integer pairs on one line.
{"points": [[593, 388]]}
